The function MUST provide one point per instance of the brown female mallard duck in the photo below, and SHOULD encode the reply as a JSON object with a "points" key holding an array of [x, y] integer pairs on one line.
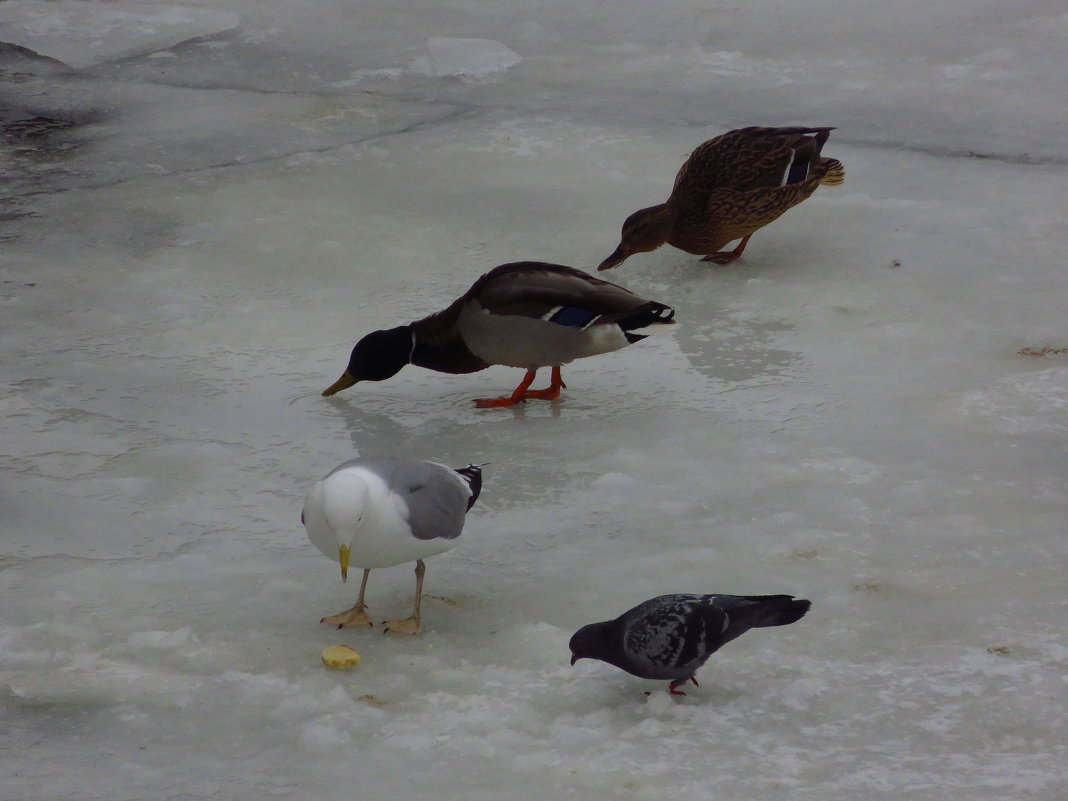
{"points": [[728, 188], [526, 314]]}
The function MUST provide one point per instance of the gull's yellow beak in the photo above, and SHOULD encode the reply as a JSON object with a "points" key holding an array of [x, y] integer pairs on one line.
{"points": [[344, 382], [343, 557]]}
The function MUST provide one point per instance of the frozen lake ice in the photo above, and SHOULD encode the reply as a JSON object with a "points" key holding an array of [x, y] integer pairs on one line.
{"points": [[206, 205]]}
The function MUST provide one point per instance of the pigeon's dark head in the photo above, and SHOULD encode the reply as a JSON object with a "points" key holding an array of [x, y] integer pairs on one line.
{"points": [[589, 642], [376, 357]]}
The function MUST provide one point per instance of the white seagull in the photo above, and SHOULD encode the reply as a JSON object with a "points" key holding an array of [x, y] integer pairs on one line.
{"points": [[373, 513]]}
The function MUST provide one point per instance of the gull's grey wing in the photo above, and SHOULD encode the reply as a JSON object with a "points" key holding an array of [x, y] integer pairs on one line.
{"points": [[436, 496]]}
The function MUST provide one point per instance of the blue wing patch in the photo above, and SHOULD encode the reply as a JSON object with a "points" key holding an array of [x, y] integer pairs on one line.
{"points": [[573, 316]]}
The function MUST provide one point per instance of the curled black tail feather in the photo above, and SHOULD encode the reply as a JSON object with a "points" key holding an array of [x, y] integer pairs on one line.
{"points": [[651, 314]]}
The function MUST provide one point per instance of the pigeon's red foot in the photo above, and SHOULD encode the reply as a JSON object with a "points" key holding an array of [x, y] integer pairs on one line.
{"points": [[673, 687]]}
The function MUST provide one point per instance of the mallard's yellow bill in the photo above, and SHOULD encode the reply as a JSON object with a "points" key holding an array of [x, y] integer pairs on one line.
{"points": [[344, 382]]}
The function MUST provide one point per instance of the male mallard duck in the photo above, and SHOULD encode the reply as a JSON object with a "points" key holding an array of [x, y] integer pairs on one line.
{"points": [[671, 636], [526, 314], [382, 512], [728, 188]]}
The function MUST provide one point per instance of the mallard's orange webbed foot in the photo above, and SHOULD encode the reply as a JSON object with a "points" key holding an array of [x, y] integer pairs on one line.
{"points": [[551, 392], [495, 403], [727, 256], [522, 392]]}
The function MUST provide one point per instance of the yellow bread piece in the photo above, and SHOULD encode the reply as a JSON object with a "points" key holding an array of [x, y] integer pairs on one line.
{"points": [[340, 657]]}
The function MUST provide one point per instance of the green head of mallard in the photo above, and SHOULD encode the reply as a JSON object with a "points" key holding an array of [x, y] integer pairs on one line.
{"points": [[376, 357]]}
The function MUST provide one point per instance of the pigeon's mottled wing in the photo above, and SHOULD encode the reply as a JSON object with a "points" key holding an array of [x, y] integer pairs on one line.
{"points": [[674, 632]]}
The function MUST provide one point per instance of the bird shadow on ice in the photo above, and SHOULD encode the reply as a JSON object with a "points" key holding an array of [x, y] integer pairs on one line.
{"points": [[447, 428], [738, 351], [722, 337], [721, 329], [726, 341], [393, 425]]}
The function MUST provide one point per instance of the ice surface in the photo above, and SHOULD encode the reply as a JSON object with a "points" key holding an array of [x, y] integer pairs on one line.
{"points": [[868, 410], [82, 33], [465, 58]]}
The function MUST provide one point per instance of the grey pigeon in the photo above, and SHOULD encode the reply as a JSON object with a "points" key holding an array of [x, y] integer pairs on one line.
{"points": [[671, 636], [379, 512]]}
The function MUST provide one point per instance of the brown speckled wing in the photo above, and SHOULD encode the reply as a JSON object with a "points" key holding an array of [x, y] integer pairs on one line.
{"points": [[742, 180], [748, 158]]}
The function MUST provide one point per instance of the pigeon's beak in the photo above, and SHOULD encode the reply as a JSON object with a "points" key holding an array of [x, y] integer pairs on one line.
{"points": [[344, 382], [574, 658], [343, 557]]}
